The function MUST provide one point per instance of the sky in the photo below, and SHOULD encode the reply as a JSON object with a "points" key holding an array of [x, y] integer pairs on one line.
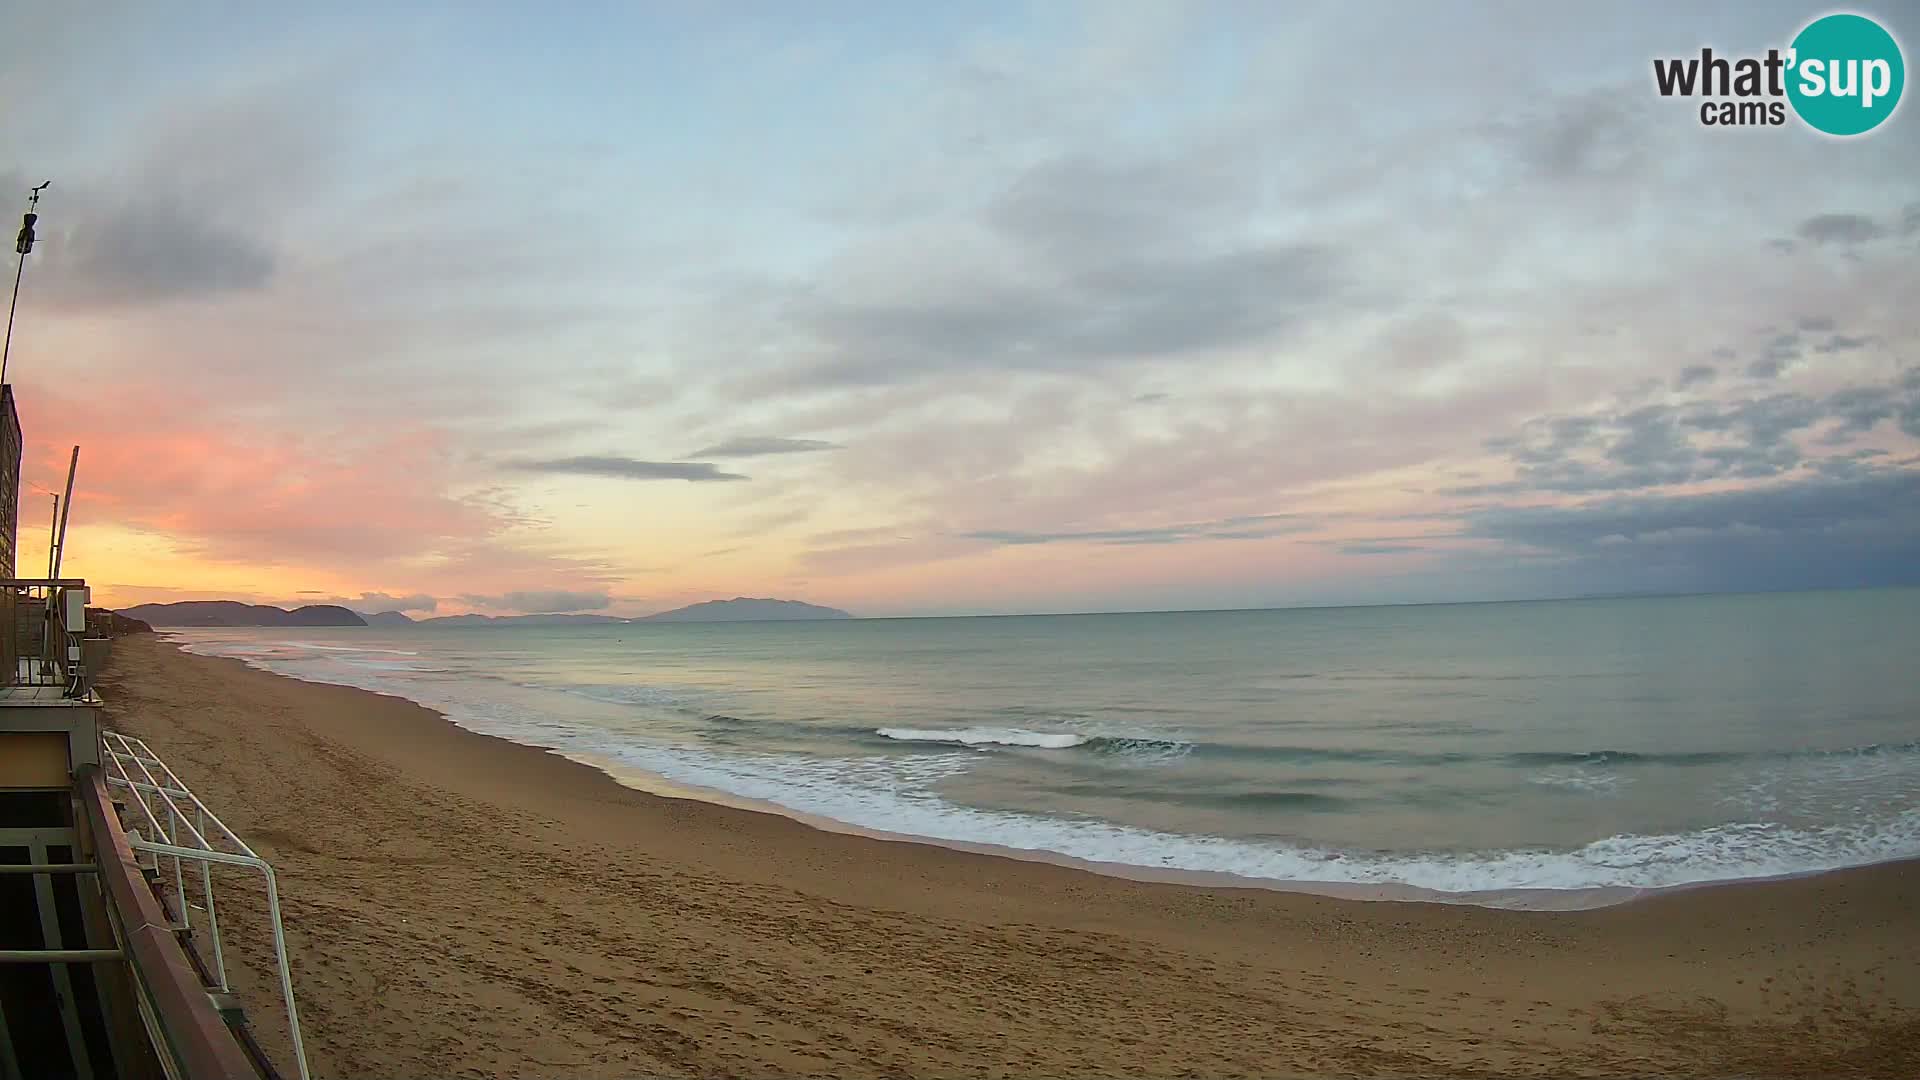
{"points": [[950, 309]]}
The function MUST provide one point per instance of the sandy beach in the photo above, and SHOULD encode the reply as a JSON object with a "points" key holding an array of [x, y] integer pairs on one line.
{"points": [[459, 905]]}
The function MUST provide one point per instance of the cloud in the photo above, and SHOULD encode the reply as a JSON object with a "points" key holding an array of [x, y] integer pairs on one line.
{"points": [[1860, 408], [544, 601], [99, 248], [244, 492], [1860, 527], [149, 250], [1778, 353], [626, 468], [1859, 464], [194, 203], [1377, 549], [1596, 135], [374, 603], [1909, 402], [1660, 445], [1842, 343], [1082, 260], [371, 603], [1694, 374], [1066, 318], [757, 446], [1257, 527], [1842, 229], [1080, 200]]}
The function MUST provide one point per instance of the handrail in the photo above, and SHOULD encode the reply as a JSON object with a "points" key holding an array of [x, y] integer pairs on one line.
{"points": [[57, 956], [118, 751], [193, 1033]]}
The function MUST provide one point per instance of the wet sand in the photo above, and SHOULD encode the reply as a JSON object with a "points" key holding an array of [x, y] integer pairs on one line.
{"points": [[462, 906]]}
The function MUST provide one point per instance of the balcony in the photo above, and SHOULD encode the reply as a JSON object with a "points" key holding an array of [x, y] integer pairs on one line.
{"points": [[44, 649]]}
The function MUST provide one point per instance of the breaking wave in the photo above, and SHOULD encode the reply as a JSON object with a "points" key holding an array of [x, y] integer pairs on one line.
{"points": [[984, 737]]}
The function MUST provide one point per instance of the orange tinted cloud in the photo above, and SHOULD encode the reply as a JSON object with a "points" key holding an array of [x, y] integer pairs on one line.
{"points": [[358, 509]]}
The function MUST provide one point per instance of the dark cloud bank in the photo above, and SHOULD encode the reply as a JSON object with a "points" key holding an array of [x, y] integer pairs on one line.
{"points": [[626, 468]]}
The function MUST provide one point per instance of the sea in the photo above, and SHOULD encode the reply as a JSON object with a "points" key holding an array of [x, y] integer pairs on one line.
{"points": [[1579, 748]]}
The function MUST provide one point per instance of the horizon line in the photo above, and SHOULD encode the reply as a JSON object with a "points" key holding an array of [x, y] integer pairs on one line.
{"points": [[850, 617]]}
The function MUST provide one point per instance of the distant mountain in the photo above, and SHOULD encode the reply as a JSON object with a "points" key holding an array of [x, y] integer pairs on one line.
{"points": [[518, 620], [323, 615], [747, 609], [112, 624], [233, 613], [456, 620]]}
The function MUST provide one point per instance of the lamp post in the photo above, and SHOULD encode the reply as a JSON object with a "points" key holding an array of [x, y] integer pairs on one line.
{"points": [[22, 244]]}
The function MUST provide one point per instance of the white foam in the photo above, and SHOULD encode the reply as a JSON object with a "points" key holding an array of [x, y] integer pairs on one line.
{"points": [[986, 736], [347, 648], [1597, 783], [862, 793]]}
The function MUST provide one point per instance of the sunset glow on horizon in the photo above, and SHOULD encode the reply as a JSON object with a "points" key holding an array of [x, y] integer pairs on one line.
{"points": [[997, 308]]}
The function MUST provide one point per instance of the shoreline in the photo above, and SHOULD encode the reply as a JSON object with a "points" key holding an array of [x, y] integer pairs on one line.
{"points": [[461, 904], [1387, 892], [1518, 898]]}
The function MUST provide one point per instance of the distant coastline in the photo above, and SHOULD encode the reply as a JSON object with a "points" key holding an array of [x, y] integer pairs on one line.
{"points": [[181, 613], [234, 613], [219, 613]]}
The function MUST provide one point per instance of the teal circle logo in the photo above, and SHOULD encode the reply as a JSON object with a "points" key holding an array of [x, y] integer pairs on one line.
{"points": [[1845, 74]]}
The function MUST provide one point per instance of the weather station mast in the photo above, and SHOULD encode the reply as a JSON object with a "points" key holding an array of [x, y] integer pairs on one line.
{"points": [[24, 245], [10, 439]]}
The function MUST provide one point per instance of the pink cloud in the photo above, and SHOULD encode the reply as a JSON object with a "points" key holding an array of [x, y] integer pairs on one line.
{"points": [[373, 508]]}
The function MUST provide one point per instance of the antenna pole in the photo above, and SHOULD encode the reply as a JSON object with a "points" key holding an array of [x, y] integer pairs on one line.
{"points": [[66, 511], [53, 530], [23, 245], [11, 308]]}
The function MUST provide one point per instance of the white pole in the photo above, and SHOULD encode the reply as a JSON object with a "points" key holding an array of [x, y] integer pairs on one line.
{"points": [[66, 511]]}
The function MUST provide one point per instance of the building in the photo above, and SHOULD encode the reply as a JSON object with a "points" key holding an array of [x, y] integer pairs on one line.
{"points": [[9, 482]]}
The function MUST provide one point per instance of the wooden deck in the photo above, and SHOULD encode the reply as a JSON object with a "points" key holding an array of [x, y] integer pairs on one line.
{"points": [[11, 696]]}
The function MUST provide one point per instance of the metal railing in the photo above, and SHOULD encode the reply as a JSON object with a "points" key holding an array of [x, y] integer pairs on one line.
{"points": [[157, 793], [40, 637]]}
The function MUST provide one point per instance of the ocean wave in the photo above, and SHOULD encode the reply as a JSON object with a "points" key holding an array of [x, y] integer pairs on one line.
{"points": [[1608, 758], [1530, 760], [1270, 800], [1621, 757], [980, 738], [345, 648], [898, 793], [864, 793], [1045, 740]]}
